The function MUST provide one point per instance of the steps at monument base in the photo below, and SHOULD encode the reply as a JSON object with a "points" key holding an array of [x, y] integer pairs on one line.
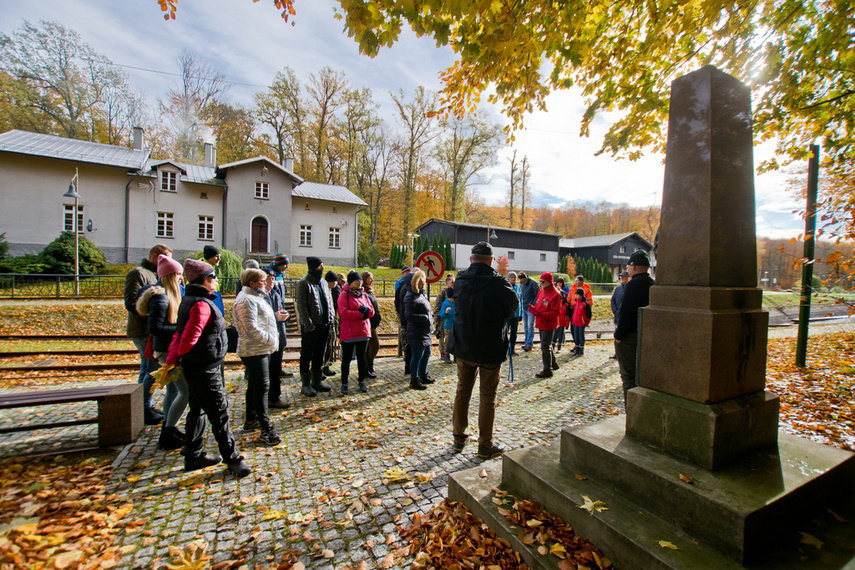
{"points": [[738, 510], [624, 533]]}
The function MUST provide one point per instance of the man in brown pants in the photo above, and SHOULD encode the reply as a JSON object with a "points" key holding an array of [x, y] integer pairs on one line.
{"points": [[484, 300]]}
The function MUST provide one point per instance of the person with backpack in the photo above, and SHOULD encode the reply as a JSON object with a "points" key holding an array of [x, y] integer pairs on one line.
{"points": [[580, 318]]}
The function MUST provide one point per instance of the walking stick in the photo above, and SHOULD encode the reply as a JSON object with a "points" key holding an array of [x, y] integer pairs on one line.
{"points": [[510, 363]]}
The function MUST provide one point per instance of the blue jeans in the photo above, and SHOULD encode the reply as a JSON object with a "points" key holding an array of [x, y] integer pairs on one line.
{"points": [[419, 362], [528, 328], [147, 366], [578, 335]]}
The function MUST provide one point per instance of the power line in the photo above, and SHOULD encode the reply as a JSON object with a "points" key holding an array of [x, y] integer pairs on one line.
{"points": [[161, 72]]}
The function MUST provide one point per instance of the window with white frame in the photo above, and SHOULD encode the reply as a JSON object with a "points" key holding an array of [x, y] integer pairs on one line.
{"points": [[512, 255], [306, 236], [164, 224], [206, 228], [68, 218], [262, 190], [168, 181], [335, 238], [623, 249], [543, 257]]}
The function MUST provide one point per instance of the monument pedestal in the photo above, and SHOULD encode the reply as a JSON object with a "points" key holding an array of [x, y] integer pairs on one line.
{"points": [[748, 513]]}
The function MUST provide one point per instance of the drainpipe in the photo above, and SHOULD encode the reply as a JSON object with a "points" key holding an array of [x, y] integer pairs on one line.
{"points": [[225, 213], [128, 220]]}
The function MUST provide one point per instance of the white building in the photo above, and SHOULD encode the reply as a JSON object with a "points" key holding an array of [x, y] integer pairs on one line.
{"points": [[128, 202]]}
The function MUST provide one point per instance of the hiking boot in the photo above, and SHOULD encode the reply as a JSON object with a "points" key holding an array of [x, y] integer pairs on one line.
{"points": [[279, 404], [204, 460], [362, 387], [457, 446], [416, 385], [555, 365], [494, 450], [307, 390], [581, 351], [169, 439], [327, 372], [426, 379], [251, 425], [152, 416], [318, 381], [544, 374], [269, 437], [240, 469]]}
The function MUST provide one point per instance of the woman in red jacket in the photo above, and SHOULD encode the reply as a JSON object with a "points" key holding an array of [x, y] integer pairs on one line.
{"points": [[355, 311], [581, 318], [546, 311]]}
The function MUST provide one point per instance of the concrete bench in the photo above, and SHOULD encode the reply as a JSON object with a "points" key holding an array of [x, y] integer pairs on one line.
{"points": [[120, 410]]}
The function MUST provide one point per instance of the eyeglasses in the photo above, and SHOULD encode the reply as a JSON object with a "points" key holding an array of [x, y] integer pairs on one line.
{"points": [[212, 276]]}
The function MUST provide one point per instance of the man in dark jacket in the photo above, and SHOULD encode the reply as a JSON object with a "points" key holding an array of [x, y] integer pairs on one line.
{"points": [[143, 274], [402, 287], [528, 295], [484, 300], [315, 316], [636, 294]]}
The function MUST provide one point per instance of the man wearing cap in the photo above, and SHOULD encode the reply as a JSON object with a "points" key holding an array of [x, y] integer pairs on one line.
{"points": [[528, 296], [484, 300], [315, 317], [143, 274], [402, 286], [636, 294], [617, 294], [279, 268], [212, 256]]}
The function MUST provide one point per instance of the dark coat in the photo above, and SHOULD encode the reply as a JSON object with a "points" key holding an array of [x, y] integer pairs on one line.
{"points": [[419, 319], [483, 302], [528, 292], [636, 294], [210, 350], [400, 297], [153, 304]]}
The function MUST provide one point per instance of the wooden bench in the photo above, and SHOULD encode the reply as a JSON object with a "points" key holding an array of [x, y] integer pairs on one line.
{"points": [[120, 410]]}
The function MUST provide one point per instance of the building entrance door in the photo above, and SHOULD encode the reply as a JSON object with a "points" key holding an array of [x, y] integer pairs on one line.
{"points": [[259, 236]]}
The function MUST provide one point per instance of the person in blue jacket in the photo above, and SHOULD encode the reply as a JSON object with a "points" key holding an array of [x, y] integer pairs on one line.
{"points": [[446, 313]]}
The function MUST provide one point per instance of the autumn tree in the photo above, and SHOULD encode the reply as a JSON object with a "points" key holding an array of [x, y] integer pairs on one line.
{"points": [[326, 94], [524, 190], [235, 130], [282, 109]]}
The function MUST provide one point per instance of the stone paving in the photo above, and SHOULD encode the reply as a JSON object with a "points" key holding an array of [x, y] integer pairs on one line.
{"points": [[325, 487]]}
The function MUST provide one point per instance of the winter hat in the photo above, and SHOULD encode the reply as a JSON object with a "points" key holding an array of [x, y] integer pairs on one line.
{"points": [[511, 274], [195, 271], [250, 264], [280, 259], [405, 269], [546, 277], [353, 276], [482, 248], [314, 262], [210, 251], [330, 276], [167, 266], [639, 258], [624, 274]]}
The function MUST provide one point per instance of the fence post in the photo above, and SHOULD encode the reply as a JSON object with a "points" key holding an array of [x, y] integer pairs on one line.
{"points": [[57, 286], [13, 286]]}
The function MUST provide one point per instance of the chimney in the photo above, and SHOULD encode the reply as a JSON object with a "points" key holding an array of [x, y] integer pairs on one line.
{"points": [[288, 164], [210, 154], [138, 138]]}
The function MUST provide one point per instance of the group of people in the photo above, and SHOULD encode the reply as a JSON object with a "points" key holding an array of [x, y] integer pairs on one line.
{"points": [[175, 318]]}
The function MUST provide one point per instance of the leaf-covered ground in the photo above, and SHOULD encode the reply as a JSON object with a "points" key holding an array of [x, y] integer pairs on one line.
{"points": [[817, 401]]}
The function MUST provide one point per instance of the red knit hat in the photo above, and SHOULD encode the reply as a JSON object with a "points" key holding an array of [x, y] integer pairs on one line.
{"points": [[167, 266], [196, 271], [546, 277]]}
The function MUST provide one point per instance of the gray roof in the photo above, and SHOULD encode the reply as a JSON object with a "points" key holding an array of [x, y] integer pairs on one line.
{"points": [[599, 241], [484, 226], [190, 172], [35, 144], [294, 178], [328, 192]]}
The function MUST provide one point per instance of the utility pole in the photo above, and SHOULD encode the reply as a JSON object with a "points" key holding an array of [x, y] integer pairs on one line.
{"points": [[809, 252]]}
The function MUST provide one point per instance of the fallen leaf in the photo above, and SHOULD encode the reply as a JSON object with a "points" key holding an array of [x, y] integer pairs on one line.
{"points": [[810, 539], [666, 544], [579, 477], [686, 479], [592, 506]]}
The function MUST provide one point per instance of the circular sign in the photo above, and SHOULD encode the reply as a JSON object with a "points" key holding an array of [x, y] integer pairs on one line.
{"points": [[432, 264]]}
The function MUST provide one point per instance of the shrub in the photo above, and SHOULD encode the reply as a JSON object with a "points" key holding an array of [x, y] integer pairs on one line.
{"points": [[27, 263], [58, 256], [230, 262], [4, 246]]}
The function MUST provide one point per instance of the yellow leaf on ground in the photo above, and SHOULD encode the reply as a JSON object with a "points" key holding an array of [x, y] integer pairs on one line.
{"points": [[810, 539], [592, 506], [666, 544]]}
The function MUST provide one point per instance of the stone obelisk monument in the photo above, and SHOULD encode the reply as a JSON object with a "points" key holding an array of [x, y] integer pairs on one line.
{"points": [[698, 462]]}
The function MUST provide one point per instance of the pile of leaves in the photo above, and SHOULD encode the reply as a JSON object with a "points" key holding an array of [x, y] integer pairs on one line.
{"points": [[56, 513], [451, 537], [817, 401]]}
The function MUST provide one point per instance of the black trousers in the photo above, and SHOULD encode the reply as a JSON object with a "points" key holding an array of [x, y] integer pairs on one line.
{"points": [[546, 353], [275, 370], [208, 395], [314, 343], [347, 349], [257, 385]]}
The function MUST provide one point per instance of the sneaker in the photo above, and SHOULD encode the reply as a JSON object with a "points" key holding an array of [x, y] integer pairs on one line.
{"points": [[544, 374], [494, 450], [527, 348], [457, 446], [279, 404], [362, 387], [269, 437], [152, 416], [251, 425], [371, 374], [204, 460], [285, 374], [344, 389], [240, 469]]}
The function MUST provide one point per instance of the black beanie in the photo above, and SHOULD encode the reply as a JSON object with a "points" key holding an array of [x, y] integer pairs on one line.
{"points": [[314, 262]]}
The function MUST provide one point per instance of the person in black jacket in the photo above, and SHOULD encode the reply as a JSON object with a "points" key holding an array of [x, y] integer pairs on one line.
{"points": [[374, 343], [636, 294], [484, 300], [417, 314]]}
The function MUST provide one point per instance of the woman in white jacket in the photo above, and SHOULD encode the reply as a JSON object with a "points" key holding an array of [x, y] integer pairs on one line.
{"points": [[257, 338]]}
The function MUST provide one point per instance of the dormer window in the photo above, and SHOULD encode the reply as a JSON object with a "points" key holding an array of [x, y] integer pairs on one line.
{"points": [[168, 181]]}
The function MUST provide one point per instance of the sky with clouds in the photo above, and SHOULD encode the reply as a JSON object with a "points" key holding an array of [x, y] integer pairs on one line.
{"points": [[248, 42]]}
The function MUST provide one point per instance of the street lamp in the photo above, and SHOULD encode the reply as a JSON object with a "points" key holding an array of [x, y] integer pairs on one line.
{"points": [[412, 244], [492, 234], [72, 193]]}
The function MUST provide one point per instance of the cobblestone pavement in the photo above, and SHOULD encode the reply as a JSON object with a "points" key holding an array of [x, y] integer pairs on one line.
{"points": [[324, 487]]}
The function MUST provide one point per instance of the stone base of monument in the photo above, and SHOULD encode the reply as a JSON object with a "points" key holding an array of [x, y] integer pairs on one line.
{"points": [[749, 513]]}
